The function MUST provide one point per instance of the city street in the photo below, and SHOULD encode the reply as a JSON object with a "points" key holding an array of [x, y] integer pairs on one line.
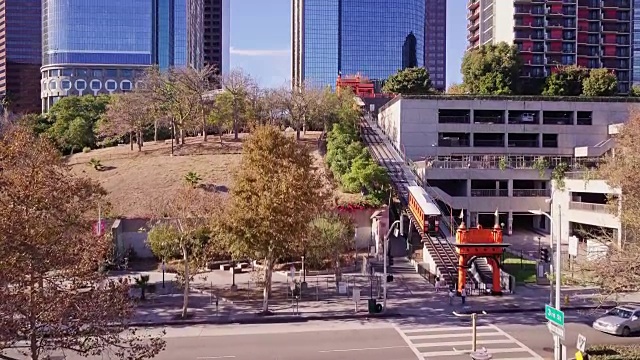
{"points": [[507, 336]]}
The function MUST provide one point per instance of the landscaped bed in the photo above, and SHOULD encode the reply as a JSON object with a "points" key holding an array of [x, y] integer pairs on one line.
{"points": [[614, 352]]}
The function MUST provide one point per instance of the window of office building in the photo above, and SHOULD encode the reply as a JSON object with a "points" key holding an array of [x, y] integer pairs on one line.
{"points": [[96, 85]]}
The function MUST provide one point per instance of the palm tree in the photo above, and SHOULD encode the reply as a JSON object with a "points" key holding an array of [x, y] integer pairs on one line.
{"points": [[142, 283], [192, 178], [96, 164]]}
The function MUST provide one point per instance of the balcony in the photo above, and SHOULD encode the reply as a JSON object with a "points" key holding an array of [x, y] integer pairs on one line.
{"points": [[597, 208], [489, 193], [532, 193]]}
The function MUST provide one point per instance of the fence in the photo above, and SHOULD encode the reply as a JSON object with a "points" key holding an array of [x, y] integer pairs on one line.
{"points": [[317, 288]]}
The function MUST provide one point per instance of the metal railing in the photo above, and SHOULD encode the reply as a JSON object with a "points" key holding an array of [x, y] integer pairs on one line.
{"points": [[488, 120], [460, 119], [599, 208], [531, 192], [489, 193]]}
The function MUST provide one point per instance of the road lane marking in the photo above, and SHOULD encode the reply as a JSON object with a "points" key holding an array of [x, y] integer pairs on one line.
{"points": [[364, 349], [215, 357], [535, 355]]}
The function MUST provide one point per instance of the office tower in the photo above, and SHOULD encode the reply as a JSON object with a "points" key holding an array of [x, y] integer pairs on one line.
{"points": [[93, 47], [20, 54], [636, 43], [374, 38], [588, 33], [216, 34], [435, 42]]}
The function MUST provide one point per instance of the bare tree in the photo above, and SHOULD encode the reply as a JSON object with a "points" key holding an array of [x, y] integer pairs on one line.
{"points": [[130, 113], [619, 270], [299, 105], [193, 85], [238, 84]]}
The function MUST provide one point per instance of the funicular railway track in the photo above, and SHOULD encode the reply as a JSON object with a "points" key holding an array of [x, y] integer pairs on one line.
{"points": [[440, 249]]}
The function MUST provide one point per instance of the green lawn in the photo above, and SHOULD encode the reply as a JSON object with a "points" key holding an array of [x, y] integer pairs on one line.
{"points": [[524, 270]]}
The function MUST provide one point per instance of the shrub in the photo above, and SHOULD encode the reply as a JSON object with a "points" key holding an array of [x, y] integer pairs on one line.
{"points": [[86, 149], [614, 352]]}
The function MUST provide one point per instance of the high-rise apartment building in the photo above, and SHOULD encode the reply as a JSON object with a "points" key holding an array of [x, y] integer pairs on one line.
{"points": [[374, 38], [20, 54], [551, 33], [435, 42]]}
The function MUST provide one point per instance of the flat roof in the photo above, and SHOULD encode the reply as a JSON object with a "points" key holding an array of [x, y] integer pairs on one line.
{"points": [[596, 99], [424, 201]]}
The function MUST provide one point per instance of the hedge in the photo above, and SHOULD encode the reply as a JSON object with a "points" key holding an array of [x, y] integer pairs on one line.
{"points": [[614, 352]]}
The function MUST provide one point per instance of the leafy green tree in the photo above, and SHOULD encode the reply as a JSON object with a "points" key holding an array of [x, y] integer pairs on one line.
{"points": [[277, 192], [181, 231], [600, 82], [74, 120], [330, 235], [368, 177], [456, 89], [226, 111], [410, 81], [565, 81], [491, 69]]}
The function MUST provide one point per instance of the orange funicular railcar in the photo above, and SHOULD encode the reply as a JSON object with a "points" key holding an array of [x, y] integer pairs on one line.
{"points": [[424, 210]]}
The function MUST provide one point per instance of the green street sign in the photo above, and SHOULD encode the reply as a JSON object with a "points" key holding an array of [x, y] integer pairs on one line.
{"points": [[554, 315]]}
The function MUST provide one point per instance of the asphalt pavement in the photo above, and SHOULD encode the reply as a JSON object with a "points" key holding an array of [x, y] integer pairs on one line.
{"points": [[444, 337]]}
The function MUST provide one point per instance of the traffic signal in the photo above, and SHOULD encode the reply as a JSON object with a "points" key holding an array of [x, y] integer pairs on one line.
{"points": [[544, 255]]}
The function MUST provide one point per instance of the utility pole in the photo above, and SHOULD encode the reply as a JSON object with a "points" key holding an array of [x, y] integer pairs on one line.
{"points": [[557, 344]]}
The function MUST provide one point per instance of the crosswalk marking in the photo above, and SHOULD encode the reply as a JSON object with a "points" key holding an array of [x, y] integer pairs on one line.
{"points": [[449, 335], [455, 342], [443, 328], [463, 343]]}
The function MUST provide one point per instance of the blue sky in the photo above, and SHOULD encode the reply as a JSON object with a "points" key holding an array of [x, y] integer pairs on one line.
{"points": [[261, 39]]}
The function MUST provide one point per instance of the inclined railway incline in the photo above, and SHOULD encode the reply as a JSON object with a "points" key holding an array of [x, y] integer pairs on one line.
{"points": [[441, 250]]}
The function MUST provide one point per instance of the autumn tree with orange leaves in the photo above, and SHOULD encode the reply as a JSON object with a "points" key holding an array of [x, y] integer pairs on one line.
{"points": [[51, 295]]}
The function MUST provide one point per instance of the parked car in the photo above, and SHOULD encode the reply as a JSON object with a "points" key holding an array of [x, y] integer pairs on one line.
{"points": [[622, 320]]}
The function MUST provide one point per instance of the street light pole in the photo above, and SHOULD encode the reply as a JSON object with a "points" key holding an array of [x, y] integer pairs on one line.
{"points": [[557, 346], [385, 247]]}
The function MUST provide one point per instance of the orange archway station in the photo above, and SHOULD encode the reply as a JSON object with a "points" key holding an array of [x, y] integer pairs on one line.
{"points": [[478, 242]]}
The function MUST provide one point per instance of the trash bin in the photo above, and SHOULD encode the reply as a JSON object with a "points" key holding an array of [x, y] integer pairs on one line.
{"points": [[371, 305]]}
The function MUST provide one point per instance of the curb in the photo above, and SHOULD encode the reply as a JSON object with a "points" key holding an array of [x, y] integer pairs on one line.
{"points": [[538, 309], [273, 319]]}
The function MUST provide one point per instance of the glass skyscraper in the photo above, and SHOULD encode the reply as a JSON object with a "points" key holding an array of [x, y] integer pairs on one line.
{"points": [[92, 47], [104, 46], [375, 38], [20, 54]]}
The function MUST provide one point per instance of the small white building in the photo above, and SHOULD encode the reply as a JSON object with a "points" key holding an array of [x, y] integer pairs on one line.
{"points": [[586, 208]]}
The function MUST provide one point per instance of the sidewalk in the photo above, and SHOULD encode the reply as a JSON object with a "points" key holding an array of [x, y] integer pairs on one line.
{"points": [[408, 295]]}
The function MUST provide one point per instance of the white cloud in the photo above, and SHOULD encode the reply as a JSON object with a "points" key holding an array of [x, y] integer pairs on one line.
{"points": [[259, 52]]}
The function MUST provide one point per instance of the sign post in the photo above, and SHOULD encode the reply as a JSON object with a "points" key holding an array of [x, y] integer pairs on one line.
{"points": [[356, 297], [581, 344], [556, 321]]}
